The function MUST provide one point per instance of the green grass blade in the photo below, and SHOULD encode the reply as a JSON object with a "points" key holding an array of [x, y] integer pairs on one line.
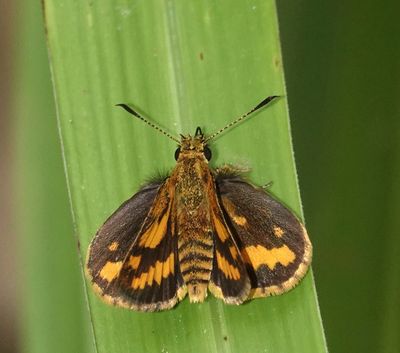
{"points": [[184, 65], [52, 310]]}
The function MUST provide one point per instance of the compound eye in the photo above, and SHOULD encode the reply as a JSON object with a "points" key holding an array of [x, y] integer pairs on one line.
{"points": [[177, 152], [207, 153]]}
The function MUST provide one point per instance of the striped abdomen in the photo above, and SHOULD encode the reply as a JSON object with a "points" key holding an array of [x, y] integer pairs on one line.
{"points": [[196, 259]]}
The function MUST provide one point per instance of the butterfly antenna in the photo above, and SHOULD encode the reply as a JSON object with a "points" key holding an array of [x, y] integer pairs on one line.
{"points": [[257, 107], [154, 126]]}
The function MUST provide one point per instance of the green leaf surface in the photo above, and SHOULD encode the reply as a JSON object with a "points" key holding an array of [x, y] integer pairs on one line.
{"points": [[184, 65], [51, 304]]}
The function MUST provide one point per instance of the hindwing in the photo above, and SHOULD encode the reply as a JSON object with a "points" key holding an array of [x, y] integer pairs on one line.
{"points": [[229, 279], [272, 242]]}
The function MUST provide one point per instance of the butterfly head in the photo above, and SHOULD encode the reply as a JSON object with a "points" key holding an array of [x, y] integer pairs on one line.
{"points": [[193, 145]]}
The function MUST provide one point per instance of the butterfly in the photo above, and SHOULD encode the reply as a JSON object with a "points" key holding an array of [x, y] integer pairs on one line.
{"points": [[197, 231]]}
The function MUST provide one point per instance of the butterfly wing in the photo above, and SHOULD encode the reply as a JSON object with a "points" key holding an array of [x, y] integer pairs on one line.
{"points": [[229, 278], [272, 242], [131, 260]]}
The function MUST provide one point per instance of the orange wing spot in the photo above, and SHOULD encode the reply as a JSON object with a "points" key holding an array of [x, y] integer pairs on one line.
{"points": [[113, 246], [240, 220], [220, 228], [258, 255], [135, 283], [233, 251], [231, 209], [153, 236], [278, 231], [142, 280], [134, 261], [229, 270], [158, 272], [166, 267], [110, 270], [150, 276], [155, 273]]}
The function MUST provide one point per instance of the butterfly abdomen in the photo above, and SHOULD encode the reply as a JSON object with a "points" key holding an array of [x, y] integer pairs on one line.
{"points": [[195, 251], [195, 260]]}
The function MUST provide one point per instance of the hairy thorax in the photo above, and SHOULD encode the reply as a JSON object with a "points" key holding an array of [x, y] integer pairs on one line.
{"points": [[190, 189]]}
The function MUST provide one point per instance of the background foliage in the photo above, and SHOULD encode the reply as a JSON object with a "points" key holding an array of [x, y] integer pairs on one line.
{"points": [[343, 76]]}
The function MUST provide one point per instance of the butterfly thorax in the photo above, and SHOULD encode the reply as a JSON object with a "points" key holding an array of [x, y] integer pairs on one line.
{"points": [[193, 182]]}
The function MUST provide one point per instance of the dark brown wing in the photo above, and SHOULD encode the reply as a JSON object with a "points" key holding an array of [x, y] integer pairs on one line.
{"points": [[131, 260], [272, 241], [229, 278]]}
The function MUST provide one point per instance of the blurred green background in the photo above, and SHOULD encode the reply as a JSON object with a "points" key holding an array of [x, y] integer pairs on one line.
{"points": [[342, 64], [342, 72]]}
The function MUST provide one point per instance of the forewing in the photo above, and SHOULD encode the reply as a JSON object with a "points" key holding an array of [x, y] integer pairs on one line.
{"points": [[272, 241], [131, 260], [118, 233]]}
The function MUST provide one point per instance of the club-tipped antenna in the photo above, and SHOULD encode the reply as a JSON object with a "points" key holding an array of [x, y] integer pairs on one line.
{"points": [[239, 119], [154, 126]]}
